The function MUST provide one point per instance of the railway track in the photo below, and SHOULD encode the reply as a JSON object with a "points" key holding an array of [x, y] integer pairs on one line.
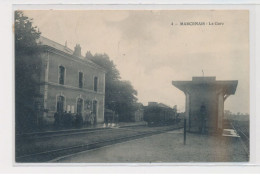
{"points": [[244, 136], [46, 134], [120, 135]]}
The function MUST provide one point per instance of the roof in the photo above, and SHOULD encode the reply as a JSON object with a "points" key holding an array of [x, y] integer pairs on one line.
{"points": [[50, 43], [229, 87], [45, 41], [156, 104]]}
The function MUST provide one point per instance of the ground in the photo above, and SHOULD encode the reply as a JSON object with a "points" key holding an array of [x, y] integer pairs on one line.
{"points": [[165, 147]]}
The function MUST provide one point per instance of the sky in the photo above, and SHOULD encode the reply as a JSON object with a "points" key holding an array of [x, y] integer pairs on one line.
{"points": [[151, 48]]}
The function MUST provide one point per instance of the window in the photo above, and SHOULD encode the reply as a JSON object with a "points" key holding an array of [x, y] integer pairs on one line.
{"points": [[61, 74], [80, 79], [95, 83]]}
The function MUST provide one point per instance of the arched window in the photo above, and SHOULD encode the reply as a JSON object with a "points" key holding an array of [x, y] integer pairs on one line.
{"points": [[60, 104], [61, 75], [95, 83]]}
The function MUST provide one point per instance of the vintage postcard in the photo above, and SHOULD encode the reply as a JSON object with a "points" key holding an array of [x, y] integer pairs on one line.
{"points": [[131, 86]]}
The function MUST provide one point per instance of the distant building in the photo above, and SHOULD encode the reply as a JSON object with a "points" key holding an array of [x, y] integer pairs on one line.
{"points": [[152, 104], [69, 82], [139, 113], [205, 99]]}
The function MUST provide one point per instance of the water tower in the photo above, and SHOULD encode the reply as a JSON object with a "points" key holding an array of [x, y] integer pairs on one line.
{"points": [[204, 106]]}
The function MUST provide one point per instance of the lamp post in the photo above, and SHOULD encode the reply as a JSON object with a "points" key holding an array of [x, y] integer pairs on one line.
{"points": [[113, 109]]}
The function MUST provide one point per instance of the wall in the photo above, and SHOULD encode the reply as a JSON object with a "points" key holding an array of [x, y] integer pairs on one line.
{"points": [[70, 90], [220, 110], [203, 95], [72, 69]]}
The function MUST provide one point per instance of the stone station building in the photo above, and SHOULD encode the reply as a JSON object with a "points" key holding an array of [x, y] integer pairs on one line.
{"points": [[69, 82]]}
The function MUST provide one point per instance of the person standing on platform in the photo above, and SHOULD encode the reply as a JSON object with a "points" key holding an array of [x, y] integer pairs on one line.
{"points": [[203, 119], [56, 119], [91, 118], [63, 118], [78, 120]]}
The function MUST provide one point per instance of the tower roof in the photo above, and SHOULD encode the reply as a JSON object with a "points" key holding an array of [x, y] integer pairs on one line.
{"points": [[228, 87]]}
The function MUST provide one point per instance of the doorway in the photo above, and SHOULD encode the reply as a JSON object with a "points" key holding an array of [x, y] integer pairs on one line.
{"points": [[60, 104], [79, 105]]}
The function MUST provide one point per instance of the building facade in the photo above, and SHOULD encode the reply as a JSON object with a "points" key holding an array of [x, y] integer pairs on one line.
{"points": [[204, 106], [69, 82]]}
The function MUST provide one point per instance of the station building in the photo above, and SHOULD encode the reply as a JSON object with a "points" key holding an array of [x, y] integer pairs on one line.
{"points": [[204, 106], [69, 82]]}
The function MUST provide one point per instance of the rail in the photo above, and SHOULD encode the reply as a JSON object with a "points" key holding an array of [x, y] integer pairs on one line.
{"points": [[49, 155], [244, 139]]}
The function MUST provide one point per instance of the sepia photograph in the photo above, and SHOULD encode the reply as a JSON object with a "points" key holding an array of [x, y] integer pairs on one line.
{"points": [[131, 86]]}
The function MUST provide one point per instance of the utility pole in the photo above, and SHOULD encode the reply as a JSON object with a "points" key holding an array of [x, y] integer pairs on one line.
{"points": [[184, 133]]}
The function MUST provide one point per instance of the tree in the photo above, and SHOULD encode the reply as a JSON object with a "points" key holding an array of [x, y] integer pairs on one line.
{"points": [[25, 34], [126, 100], [104, 61], [120, 95], [27, 66]]}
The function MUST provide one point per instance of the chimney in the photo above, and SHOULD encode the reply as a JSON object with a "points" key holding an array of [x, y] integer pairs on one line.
{"points": [[89, 55], [77, 50]]}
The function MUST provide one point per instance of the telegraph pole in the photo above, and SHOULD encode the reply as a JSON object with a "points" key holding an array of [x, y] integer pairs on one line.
{"points": [[184, 133]]}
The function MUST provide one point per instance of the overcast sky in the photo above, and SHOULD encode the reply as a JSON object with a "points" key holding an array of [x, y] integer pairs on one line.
{"points": [[151, 48]]}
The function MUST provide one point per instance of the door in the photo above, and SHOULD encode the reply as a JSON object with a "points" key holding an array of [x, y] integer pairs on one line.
{"points": [[95, 111], [79, 105], [60, 104]]}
